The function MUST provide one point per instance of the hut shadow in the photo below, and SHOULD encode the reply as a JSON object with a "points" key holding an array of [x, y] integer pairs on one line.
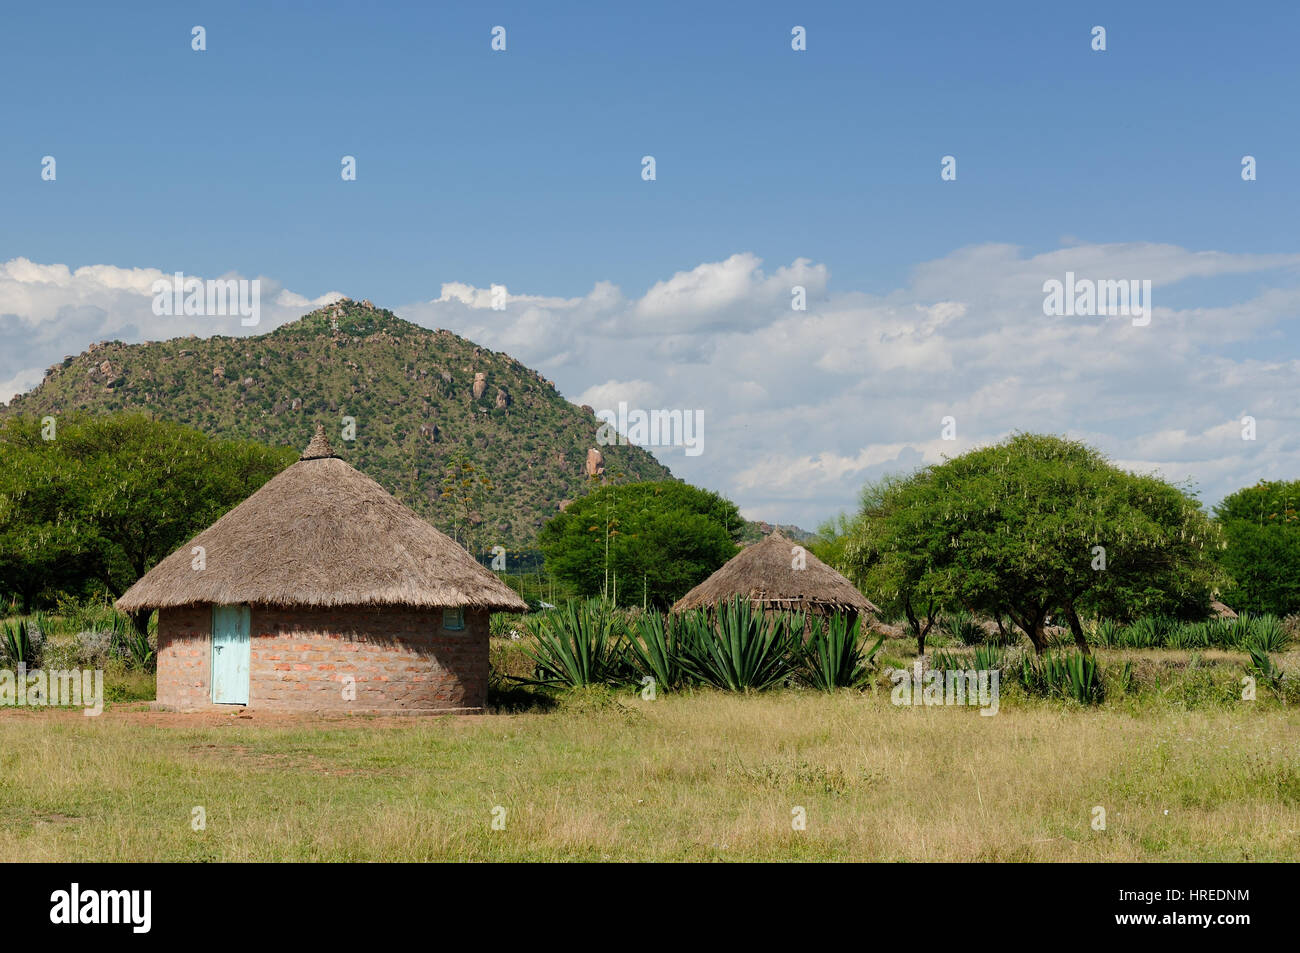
{"points": [[504, 698]]}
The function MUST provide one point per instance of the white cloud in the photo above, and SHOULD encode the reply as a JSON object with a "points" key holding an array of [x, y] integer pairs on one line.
{"points": [[803, 406], [20, 383], [732, 293], [607, 396]]}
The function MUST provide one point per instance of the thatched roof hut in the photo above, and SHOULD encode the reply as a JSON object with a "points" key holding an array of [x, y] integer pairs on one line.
{"points": [[1220, 611], [779, 575], [318, 534], [322, 592]]}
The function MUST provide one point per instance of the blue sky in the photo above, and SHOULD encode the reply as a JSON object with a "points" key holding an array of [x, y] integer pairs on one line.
{"points": [[523, 167], [477, 166]]}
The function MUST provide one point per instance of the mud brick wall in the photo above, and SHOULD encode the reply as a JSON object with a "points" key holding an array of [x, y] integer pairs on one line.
{"points": [[301, 659]]}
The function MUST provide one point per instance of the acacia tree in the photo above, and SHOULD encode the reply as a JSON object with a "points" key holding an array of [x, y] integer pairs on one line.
{"points": [[885, 554], [1031, 526]]}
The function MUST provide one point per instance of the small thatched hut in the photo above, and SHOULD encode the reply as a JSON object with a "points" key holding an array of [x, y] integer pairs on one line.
{"points": [[1220, 611], [781, 576], [322, 592]]}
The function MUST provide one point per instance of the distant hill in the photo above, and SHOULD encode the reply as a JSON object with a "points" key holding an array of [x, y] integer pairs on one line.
{"points": [[759, 529], [426, 404]]}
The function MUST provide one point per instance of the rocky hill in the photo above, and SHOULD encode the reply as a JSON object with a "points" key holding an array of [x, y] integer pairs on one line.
{"points": [[481, 445]]}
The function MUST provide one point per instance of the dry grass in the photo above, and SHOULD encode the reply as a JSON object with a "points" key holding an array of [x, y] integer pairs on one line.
{"points": [[697, 777]]}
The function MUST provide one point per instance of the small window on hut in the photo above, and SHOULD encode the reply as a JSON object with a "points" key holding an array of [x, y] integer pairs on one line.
{"points": [[453, 619]]}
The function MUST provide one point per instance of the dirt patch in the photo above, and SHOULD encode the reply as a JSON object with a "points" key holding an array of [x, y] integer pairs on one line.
{"points": [[56, 819], [270, 761]]}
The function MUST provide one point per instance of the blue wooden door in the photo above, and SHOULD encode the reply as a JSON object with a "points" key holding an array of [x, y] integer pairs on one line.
{"points": [[230, 654]]}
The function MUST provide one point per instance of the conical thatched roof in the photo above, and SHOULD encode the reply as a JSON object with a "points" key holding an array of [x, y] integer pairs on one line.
{"points": [[764, 574], [321, 533], [1221, 611]]}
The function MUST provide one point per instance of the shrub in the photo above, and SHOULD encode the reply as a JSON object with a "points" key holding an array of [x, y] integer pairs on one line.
{"points": [[94, 648]]}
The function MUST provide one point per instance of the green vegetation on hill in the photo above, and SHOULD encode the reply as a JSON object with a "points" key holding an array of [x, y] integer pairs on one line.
{"points": [[423, 427]]}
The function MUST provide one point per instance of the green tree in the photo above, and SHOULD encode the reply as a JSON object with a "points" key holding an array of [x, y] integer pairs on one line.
{"points": [[110, 496], [1032, 526], [641, 542], [43, 544], [1261, 528], [875, 556], [831, 538]]}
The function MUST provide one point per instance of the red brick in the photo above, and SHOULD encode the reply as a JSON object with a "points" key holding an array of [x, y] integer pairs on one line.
{"points": [[401, 659]]}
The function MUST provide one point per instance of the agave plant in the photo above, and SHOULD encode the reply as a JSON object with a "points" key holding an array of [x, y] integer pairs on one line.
{"points": [[1236, 632], [1267, 634], [741, 648], [654, 649], [1218, 633], [1108, 633], [832, 657], [1083, 674], [1006, 634], [138, 650], [127, 642], [19, 644], [1147, 632], [986, 658], [989, 657], [1189, 635], [577, 645], [1068, 675], [964, 627], [942, 660], [1263, 665], [1126, 677]]}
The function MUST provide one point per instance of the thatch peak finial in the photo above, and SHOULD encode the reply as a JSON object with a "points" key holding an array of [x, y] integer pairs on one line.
{"points": [[319, 448]]}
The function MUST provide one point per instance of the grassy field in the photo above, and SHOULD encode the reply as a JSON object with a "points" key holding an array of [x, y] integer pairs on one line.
{"points": [[701, 776]]}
